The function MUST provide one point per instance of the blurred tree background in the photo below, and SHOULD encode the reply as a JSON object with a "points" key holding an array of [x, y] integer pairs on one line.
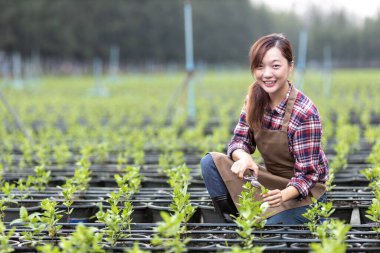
{"points": [[153, 31]]}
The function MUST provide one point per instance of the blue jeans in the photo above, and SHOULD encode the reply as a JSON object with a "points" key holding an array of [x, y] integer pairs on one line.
{"points": [[292, 216], [213, 181], [216, 187]]}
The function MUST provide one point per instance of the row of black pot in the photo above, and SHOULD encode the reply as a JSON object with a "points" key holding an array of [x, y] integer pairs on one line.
{"points": [[149, 211], [153, 181], [220, 237]]}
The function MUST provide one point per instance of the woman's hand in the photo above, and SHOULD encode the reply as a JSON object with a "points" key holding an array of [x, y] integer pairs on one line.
{"points": [[245, 162], [273, 197]]}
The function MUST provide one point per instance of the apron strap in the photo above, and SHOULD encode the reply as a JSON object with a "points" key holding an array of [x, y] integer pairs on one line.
{"points": [[289, 108]]}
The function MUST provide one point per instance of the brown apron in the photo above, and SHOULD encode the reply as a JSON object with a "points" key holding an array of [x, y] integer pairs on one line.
{"points": [[279, 165]]}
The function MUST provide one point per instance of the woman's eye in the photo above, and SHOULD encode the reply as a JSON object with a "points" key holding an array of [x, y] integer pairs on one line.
{"points": [[276, 66]]}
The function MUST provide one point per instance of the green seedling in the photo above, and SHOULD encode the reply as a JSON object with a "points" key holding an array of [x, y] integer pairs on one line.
{"points": [[316, 213]]}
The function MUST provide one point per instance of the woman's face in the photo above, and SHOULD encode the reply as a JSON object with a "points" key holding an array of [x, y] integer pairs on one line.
{"points": [[272, 74]]}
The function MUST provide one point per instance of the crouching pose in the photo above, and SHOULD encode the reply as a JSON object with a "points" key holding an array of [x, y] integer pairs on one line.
{"points": [[285, 126]]}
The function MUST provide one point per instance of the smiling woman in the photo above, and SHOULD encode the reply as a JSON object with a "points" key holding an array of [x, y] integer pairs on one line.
{"points": [[285, 126]]}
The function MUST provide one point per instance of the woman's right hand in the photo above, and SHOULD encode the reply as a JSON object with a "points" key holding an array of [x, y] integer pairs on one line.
{"points": [[243, 163]]}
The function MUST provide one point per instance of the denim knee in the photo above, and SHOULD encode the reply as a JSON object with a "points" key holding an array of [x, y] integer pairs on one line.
{"points": [[213, 181], [207, 164]]}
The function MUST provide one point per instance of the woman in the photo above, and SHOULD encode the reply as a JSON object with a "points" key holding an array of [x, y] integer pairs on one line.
{"points": [[285, 126]]}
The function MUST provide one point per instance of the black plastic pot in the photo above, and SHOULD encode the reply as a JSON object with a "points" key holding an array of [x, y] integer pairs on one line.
{"points": [[156, 208], [82, 213], [343, 213], [140, 212], [13, 210], [208, 214]]}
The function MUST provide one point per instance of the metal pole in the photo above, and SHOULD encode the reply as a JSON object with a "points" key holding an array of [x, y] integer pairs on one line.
{"points": [[301, 61], [189, 59], [327, 66], [15, 117], [114, 63]]}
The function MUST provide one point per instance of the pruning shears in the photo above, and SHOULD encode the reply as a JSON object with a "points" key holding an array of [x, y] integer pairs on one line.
{"points": [[253, 180]]}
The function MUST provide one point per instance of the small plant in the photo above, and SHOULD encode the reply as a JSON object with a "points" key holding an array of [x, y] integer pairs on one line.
{"points": [[237, 249], [27, 152], [23, 186], [332, 234], [116, 220], [86, 151], [68, 192], [42, 155], [39, 222], [83, 240], [82, 173], [122, 159], [181, 203], [168, 160], [102, 152], [135, 249], [4, 239], [129, 183], [138, 157], [8, 160], [251, 214], [373, 212], [316, 213], [50, 216], [62, 154], [34, 225], [41, 178], [7, 190], [372, 175], [168, 233]]}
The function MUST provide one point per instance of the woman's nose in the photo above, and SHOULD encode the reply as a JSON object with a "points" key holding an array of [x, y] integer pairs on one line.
{"points": [[267, 72]]}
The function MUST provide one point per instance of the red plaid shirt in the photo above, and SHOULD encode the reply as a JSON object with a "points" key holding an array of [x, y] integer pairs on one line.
{"points": [[304, 135]]}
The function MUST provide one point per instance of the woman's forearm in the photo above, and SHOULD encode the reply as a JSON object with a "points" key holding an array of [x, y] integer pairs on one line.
{"points": [[239, 154], [289, 192]]}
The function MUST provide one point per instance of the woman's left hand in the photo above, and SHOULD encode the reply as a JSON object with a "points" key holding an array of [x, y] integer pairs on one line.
{"points": [[273, 197]]}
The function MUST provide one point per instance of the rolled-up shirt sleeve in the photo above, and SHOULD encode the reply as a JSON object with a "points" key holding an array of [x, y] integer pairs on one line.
{"points": [[241, 138], [306, 151]]}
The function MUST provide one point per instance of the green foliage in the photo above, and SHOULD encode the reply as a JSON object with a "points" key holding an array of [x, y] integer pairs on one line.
{"points": [[373, 175], [332, 234], [135, 249], [82, 175], [83, 240], [116, 220], [373, 212], [68, 192], [101, 152], [41, 179], [168, 160], [251, 215], [4, 238], [237, 249], [50, 216], [38, 222], [316, 212], [168, 233], [33, 223], [130, 181], [61, 154]]}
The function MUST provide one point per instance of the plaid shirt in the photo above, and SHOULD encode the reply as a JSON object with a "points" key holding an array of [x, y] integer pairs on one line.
{"points": [[304, 135]]}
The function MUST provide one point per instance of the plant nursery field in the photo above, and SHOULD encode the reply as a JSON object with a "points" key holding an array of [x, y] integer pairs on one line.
{"points": [[112, 165]]}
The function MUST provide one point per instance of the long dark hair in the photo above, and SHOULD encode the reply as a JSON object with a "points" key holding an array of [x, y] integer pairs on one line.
{"points": [[258, 99]]}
